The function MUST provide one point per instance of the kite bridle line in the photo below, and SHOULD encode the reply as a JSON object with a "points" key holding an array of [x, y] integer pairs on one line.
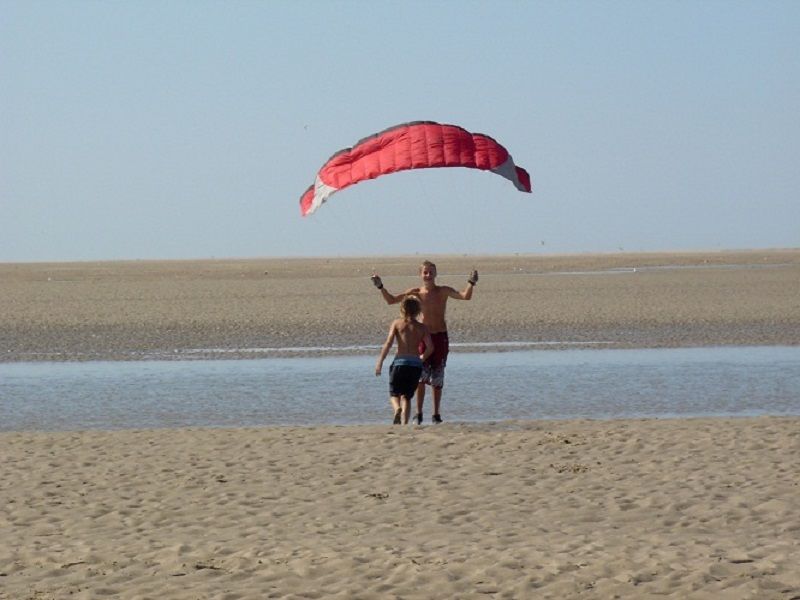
{"points": [[344, 221], [435, 213]]}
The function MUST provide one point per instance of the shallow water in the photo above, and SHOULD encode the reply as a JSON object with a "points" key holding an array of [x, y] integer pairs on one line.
{"points": [[488, 386]]}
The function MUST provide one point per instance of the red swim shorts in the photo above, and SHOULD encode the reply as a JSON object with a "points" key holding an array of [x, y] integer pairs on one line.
{"points": [[433, 368]]}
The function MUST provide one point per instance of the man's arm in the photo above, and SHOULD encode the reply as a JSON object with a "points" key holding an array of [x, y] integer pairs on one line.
{"points": [[466, 293], [390, 299]]}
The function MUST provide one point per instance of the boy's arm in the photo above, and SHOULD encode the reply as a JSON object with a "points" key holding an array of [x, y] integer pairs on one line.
{"points": [[386, 346], [428, 341]]}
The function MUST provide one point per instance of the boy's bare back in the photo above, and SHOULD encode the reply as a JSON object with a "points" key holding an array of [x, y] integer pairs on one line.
{"points": [[409, 334]]}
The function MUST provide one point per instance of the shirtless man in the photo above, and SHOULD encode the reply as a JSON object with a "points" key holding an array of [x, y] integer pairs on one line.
{"points": [[433, 298]]}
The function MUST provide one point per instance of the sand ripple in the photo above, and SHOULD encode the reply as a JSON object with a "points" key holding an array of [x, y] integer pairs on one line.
{"points": [[631, 509]]}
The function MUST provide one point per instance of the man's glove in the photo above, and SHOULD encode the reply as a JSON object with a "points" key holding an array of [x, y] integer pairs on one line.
{"points": [[473, 278], [376, 281]]}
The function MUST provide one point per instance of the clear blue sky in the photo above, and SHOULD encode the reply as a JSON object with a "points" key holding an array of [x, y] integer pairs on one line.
{"points": [[189, 129]]}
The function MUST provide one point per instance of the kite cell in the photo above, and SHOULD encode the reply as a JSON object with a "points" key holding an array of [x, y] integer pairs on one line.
{"points": [[418, 145]]}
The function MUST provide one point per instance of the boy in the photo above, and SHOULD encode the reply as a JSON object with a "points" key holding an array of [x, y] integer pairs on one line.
{"points": [[406, 367]]}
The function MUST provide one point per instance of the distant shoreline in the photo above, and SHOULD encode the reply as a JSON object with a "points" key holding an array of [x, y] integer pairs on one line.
{"points": [[692, 255], [130, 310]]}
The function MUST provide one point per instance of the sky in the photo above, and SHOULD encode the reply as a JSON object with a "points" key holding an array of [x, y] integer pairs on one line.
{"points": [[189, 129]]}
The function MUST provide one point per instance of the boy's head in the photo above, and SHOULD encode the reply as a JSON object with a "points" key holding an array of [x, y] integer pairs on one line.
{"points": [[427, 270], [410, 307]]}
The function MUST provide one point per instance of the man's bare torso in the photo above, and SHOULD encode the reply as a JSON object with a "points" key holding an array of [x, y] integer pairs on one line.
{"points": [[433, 301]]}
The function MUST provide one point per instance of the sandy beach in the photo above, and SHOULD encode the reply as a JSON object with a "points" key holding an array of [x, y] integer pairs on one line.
{"points": [[690, 508], [140, 309], [572, 509]]}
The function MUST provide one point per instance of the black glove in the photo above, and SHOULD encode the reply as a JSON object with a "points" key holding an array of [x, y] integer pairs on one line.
{"points": [[473, 278], [376, 281]]}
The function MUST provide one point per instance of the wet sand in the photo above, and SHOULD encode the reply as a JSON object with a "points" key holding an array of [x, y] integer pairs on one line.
{"points": [[143, 309]]}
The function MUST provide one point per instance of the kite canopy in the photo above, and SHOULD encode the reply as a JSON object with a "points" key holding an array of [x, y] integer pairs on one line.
{"points": [[418, 145]]}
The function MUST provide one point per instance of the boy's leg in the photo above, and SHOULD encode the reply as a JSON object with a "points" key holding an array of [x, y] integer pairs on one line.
{"points": [[395, 400], [405, 408], [420, 401]]}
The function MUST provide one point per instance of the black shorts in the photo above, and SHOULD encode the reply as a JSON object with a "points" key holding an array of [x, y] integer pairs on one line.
{"points": [[403, 380]]}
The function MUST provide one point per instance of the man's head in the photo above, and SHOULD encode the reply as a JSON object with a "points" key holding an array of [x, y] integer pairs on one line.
{"points": [[427, 270]]}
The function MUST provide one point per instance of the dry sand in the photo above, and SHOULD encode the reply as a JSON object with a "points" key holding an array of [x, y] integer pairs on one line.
{"points": [[130, 310], [620, 509]]}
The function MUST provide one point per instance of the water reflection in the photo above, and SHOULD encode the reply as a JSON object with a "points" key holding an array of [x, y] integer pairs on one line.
{"points": [[541, 384]]}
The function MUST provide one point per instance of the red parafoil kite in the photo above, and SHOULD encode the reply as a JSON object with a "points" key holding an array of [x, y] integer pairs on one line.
{"points": [[418, 145]]}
